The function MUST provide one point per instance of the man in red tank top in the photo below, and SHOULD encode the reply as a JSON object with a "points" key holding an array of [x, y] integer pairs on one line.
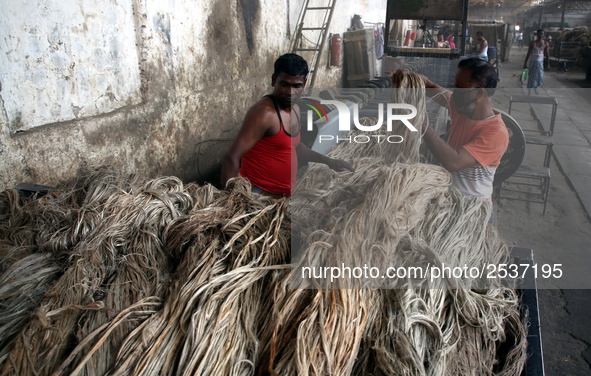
{"points": [[267, 148]]}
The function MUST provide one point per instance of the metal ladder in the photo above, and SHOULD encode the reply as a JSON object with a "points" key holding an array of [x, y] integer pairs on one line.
{"points": [[297, 43]]}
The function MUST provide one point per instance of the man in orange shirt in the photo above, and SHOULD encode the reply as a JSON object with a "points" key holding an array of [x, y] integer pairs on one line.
{"points": [[478, 137]]}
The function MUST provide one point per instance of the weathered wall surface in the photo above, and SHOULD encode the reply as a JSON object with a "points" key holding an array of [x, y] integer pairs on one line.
{"points": [[154, 86], [65, 61]]}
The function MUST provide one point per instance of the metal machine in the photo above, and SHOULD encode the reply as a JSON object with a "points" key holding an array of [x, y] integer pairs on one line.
{"points": [[410, 38], [412, 26]]}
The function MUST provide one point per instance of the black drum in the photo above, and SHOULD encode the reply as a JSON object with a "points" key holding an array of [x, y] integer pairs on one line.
{"points": [[515, 151]]}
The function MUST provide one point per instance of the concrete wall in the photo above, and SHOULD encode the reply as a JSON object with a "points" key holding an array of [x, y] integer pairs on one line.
{"points": [[66, 61], [154, 86]]}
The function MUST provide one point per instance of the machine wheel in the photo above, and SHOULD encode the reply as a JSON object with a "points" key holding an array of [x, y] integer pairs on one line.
{"points": [[513, 157]]}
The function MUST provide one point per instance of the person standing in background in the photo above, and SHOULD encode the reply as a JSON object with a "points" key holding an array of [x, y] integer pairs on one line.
{"points": [[538, 49], [547, 58], [450, 41], [481, 46], [379, 38], [440, 42]]}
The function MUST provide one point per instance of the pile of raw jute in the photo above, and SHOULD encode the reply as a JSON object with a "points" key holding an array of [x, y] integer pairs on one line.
{"points": [[393, 211], [114, 274]]}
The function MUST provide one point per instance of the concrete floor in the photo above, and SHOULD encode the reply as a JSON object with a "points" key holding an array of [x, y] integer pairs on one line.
{"points": [[563, 234]]}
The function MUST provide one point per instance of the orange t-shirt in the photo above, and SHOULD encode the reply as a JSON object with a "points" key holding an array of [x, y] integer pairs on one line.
{"points": [[485, 140]]}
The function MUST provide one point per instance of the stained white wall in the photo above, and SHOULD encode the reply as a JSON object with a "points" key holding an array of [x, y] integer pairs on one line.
{"points": [[66, 59]]}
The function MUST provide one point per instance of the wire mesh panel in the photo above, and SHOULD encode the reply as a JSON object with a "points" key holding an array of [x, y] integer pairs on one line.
{"points": [[441, 71], [569, 51]]}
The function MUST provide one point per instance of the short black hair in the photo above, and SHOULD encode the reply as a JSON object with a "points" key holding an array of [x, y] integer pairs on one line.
{"points": [[292, 64], [483, 74], [542, 30], [479, 33]]}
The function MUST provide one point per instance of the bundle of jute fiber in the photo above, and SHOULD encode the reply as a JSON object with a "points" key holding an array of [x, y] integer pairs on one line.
{"points": [[230, 253], [16, 230], [323, 191], [21, 288], [454, 329], [24, 274], [581, 34], [378, 200], [400, 222], [141, 267], [403, 144], [385, 215], [35, 235], [220, 250], [112, 258]]}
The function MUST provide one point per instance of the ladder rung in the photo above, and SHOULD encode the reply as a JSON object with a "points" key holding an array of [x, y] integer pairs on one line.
{"points": [[313, 28], [318, 8], [306, 49]]}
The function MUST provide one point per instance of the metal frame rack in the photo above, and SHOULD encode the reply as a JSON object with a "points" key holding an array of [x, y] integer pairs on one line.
{"points": [[457, 10]]}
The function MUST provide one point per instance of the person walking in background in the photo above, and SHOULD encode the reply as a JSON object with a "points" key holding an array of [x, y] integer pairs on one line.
{"points": [[538, 49], [519, 39], [547, 58]]}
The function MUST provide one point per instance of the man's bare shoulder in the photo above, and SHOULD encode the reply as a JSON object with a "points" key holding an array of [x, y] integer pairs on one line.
{"points": [[262, 111], [265, 103]]}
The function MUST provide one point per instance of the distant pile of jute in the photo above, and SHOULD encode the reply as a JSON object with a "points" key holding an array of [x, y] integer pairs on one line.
{"points": [[115, 274], [581, 34]]}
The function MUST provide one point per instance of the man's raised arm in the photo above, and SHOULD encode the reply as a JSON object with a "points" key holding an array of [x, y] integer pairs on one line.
{"points": [[450, 158]]}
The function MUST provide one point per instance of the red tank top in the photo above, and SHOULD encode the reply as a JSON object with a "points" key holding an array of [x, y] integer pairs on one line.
{"points": [[272, 163]]}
